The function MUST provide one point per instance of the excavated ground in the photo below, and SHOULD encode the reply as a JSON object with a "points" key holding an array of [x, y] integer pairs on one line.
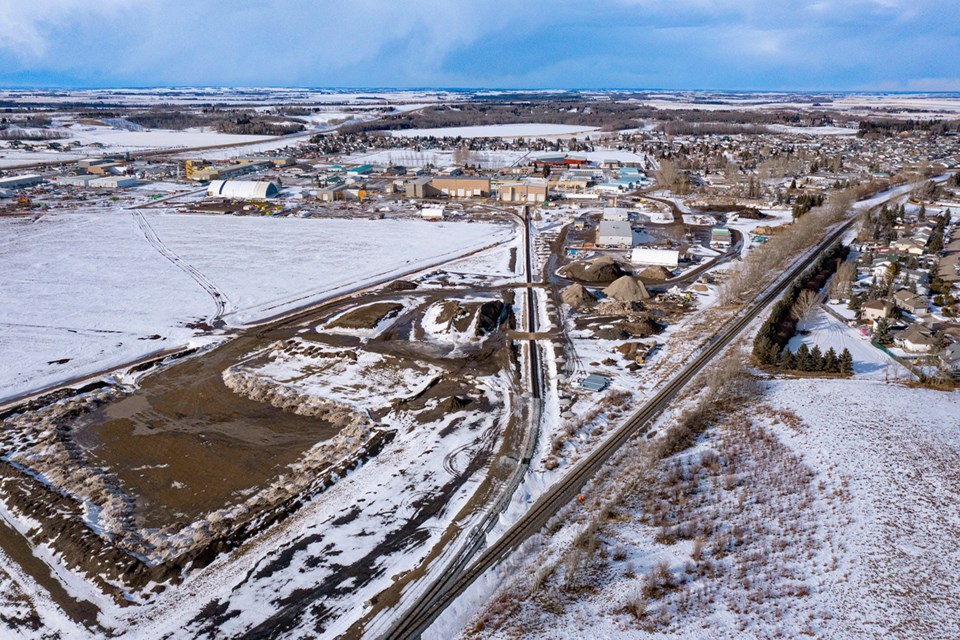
{"points": [[183, 468]]}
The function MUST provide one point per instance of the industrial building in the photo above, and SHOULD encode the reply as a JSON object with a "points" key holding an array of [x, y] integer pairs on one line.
{"points": [[658, 257], [15, 182], [202, 173], [531, 191], [360, 170], [419, 188], [333, 193], [720, 238], [576, 180], [95, 181], [243, 189], [614, 233], [461, 186], [75, 181], [561, 160], [113, 182], [616, 213]]}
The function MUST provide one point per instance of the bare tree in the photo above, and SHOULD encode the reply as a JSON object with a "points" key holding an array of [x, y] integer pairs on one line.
{"points": [[667, 174], [804, 305], [842, 286]]}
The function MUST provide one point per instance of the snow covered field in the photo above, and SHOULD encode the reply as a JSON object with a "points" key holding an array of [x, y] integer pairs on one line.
{"points": [[897, 449], [825, 510], [99, 140], [88, 291], [826, 331], [497, 131], [119, 140]]}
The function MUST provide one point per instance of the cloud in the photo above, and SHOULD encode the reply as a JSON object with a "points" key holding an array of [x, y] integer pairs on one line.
{"points": [[25, 25], [558, 43]]}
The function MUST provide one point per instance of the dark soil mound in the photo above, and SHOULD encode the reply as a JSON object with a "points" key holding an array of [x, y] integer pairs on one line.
{"points": [[577, 297], [367, 317], [401, 285], [655, 274], [489, 316], [602, 269]]}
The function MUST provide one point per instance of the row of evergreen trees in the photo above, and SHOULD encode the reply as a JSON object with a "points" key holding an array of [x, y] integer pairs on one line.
{"points": [[805, 202], [777, 330], [767, 344], [936, 240], [806, 359]]}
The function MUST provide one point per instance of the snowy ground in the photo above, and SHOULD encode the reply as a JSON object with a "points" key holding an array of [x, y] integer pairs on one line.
{"points": [[827, 331], [898, 451], [89, 291], [496, 131], [826, 511], [119, 140], [122, 141]]}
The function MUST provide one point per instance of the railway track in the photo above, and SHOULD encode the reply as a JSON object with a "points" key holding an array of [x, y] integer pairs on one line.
{"points": [[419, 616]]}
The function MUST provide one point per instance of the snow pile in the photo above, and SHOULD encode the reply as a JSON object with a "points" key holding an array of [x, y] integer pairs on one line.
{"points": [[496, 131], [342, 385], [462, 322]]}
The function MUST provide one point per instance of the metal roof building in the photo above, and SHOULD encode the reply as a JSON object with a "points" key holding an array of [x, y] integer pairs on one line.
{"points": [[615, 213], [594, 382], [659, 257], [614, 233], [12, 182], [243, 189], [114, 182]]}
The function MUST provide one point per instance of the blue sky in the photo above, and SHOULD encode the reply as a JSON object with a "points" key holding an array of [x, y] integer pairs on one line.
{"points": [[892, 45]]}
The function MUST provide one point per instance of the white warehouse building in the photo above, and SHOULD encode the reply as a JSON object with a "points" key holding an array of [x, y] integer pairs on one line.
{"points": [[614, 233], [243, 189], [615, 213], [113, 182], [658, 257], [14, 182]]}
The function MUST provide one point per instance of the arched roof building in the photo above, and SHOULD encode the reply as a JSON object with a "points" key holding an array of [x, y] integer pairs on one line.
{"points": [[243, 189]]}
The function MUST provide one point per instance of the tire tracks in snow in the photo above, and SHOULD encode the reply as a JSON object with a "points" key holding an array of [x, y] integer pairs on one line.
{"points": [[219, 298]]}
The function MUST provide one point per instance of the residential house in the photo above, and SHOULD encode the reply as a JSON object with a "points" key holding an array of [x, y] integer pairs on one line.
{"points": [[911, 302], [915, 339], [950, 359], [873, 310]]}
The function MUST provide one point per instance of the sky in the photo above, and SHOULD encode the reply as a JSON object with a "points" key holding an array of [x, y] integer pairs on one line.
{"points": [[882, 45]]}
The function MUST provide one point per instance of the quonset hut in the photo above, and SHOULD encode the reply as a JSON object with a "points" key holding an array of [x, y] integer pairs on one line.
{"points": [[242, 189]]}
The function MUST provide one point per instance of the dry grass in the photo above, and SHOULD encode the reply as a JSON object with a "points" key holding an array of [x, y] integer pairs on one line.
{"points": [[738, 513]]}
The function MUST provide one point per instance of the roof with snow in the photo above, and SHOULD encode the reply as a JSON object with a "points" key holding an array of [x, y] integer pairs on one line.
{"points": [[243, 189]]}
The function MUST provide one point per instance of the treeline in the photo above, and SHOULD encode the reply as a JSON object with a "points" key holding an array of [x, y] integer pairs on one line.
{"points": [[805, 202], [608, 116], [806, 359], [936, 240], [777, 330], [675, 128], [891, 126], [33, 120], [223, 121], [29, 128], [30, 135]]}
